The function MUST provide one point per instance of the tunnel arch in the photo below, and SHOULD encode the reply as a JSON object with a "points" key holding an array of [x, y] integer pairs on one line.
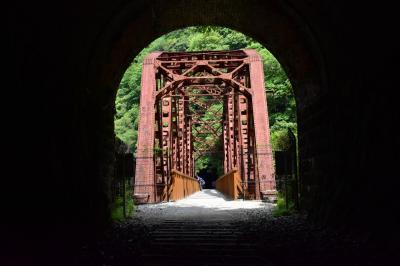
{"points": [[65, 62], [282, 31]]}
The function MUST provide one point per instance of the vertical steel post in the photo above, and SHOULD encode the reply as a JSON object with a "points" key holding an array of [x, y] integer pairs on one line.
{"points": [[144, 177], [265, 170]]}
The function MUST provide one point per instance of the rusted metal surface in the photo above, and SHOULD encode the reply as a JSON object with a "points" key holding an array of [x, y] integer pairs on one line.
{"points": [[144, 181], [261, 125], [177, 90], [230, 184]]}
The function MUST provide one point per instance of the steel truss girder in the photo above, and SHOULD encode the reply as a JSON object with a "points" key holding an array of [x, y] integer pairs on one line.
{"points": [[178, 89]]}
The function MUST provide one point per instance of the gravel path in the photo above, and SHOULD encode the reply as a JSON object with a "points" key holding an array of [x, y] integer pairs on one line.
{"points": [[207, 229], [206, 205]]}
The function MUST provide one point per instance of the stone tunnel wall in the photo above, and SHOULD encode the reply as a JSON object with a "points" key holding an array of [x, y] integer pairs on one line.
{"points": [[66, 61]]}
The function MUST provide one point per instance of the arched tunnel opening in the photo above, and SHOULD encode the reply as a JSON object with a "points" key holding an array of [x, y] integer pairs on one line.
{"points": [[205, 109], [66, 65]]}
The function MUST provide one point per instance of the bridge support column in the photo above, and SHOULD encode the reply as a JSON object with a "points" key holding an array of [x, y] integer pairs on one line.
{"points": [[144, 177], [265, 173]]}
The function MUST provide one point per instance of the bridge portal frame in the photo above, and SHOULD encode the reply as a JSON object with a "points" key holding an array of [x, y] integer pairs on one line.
{"points": [[165, 136]]}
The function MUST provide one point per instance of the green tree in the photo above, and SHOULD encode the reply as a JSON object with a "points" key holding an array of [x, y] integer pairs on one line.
{"points": [[281, 103]]}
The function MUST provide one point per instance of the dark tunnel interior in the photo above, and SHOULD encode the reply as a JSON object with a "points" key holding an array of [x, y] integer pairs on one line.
{"points": [[66, 60]]}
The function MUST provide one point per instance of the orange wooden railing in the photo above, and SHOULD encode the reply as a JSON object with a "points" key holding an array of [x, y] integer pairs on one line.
{"points": [[230, 184], [182, 185]]}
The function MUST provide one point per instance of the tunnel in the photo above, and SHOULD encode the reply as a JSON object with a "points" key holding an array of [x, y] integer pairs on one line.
{"points": [[66, 61]]}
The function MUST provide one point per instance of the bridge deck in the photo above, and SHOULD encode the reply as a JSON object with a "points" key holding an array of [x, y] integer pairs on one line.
{"points": [[205, 205]]}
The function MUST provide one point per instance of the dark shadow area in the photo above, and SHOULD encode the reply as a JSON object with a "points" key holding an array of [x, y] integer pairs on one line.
{"points": [[253, 241], [209, 175], [64, 63]]}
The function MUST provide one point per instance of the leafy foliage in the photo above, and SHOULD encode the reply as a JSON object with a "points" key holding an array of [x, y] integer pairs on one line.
{"points": [[281, 103], [280, 208], [117, 208]]}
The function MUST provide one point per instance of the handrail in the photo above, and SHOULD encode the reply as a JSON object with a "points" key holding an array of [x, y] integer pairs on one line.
{"points": [[230, 184], [181, 185]]}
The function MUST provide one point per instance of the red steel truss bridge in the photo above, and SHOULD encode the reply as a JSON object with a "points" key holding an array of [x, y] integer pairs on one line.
{"points": [[178, 90]]}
